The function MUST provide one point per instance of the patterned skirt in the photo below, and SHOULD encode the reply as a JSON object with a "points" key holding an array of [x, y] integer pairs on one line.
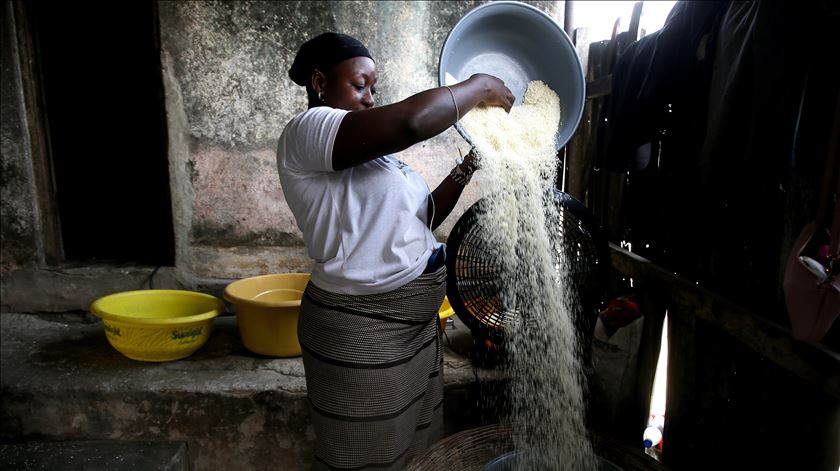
{"points": [[374, 373]]}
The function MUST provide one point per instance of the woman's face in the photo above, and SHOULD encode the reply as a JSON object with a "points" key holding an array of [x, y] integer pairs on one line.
{"points": [[350, 85]]}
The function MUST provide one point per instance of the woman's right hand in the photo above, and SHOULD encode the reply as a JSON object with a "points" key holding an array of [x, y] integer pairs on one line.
{"points": [[497, 93]]}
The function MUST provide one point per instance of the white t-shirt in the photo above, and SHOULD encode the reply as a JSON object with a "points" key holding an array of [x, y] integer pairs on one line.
{"points": [[366, 226]]}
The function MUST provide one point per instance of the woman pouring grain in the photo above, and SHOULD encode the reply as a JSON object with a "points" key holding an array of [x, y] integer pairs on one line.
{"points": [[368, 319]]}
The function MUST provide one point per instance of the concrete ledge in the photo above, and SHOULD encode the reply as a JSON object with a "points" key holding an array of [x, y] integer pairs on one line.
{"points": [[95, 456], [75, 288], [39, 290], [61, 380]]}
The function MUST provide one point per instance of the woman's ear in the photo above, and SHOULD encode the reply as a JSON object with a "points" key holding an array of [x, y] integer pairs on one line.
{"points": [[319, 81]]}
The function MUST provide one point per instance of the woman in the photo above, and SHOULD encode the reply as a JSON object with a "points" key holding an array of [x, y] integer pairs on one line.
{"points": [[368, 318]]}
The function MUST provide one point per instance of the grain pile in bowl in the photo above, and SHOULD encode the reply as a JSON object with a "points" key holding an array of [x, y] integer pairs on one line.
{"points": [[518, 172], [527, 132]]}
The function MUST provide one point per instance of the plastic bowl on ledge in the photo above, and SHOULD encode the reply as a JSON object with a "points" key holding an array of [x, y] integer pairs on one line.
{"points": [[157, 325], [445, 312], [267, 312]]}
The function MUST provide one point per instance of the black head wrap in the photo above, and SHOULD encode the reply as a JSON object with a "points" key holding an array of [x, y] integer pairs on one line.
{"points": [[323, 52]]}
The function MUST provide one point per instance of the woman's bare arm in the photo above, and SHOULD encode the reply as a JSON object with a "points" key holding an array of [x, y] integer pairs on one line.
{"points": [[448, 192], [368, 134]]}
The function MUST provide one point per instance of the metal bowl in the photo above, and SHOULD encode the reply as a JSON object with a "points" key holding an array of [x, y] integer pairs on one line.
{"points": [[517, 43]]}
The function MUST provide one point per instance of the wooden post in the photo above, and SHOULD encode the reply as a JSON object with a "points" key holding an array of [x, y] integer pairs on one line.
{"points": [[576, 165], [594, 190], [568, 17], [616, 182]]}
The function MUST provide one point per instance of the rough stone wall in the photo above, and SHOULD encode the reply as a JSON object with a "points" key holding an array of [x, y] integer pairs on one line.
{"points": [[18, 218], [229, 96]]}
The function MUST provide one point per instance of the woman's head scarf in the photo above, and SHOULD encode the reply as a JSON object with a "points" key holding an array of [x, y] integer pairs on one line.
{"points": [[323, 52]]}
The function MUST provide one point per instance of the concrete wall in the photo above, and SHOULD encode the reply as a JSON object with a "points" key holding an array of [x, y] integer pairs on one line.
{"points": [[227, 98]]}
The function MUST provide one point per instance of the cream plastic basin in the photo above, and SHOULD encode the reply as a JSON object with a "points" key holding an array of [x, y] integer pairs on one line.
{"points": [[267, 311]]}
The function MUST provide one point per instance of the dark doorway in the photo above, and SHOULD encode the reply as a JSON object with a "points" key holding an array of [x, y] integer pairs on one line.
{"points": [[102, 91]]}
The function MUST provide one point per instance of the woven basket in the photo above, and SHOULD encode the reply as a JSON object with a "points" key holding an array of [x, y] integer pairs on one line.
{"points": [[473, 449], [469, 450]]}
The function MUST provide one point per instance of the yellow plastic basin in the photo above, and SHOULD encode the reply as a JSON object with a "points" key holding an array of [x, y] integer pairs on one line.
{"points": [[445, 312], [157, 325], [267, 310]]}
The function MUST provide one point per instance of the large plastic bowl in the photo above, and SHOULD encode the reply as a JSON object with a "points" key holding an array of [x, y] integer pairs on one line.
{"points": [[157, 325], [267, 311], [517, 43]]}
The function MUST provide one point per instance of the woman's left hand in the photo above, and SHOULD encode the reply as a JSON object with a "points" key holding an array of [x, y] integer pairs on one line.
{"points": [[471, 162]]}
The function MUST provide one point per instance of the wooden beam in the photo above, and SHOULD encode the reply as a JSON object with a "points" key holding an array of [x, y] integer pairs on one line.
{"points": [[810, 361]]}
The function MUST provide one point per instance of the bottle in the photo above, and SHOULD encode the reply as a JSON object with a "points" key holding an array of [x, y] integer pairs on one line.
{"points": [[652, 436]]}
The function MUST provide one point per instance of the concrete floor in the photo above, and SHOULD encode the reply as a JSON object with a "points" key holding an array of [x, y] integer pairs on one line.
{"points": [[95, 455], [61, 380]]}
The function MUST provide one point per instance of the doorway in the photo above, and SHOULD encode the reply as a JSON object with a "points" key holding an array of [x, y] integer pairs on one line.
{"points": [[102, 97]]}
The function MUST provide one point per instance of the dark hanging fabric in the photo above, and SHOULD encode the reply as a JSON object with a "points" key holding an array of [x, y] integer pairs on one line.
{"points": [[771, 95], [664, 68], [703, 119], [765, 52], [655, 128]]}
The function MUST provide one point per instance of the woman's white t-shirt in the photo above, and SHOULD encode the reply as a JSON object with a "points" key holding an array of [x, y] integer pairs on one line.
{"points": [[366, 226]]}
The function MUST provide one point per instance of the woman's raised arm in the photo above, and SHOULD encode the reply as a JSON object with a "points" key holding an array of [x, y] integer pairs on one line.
{"points": [[368, 134]]}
